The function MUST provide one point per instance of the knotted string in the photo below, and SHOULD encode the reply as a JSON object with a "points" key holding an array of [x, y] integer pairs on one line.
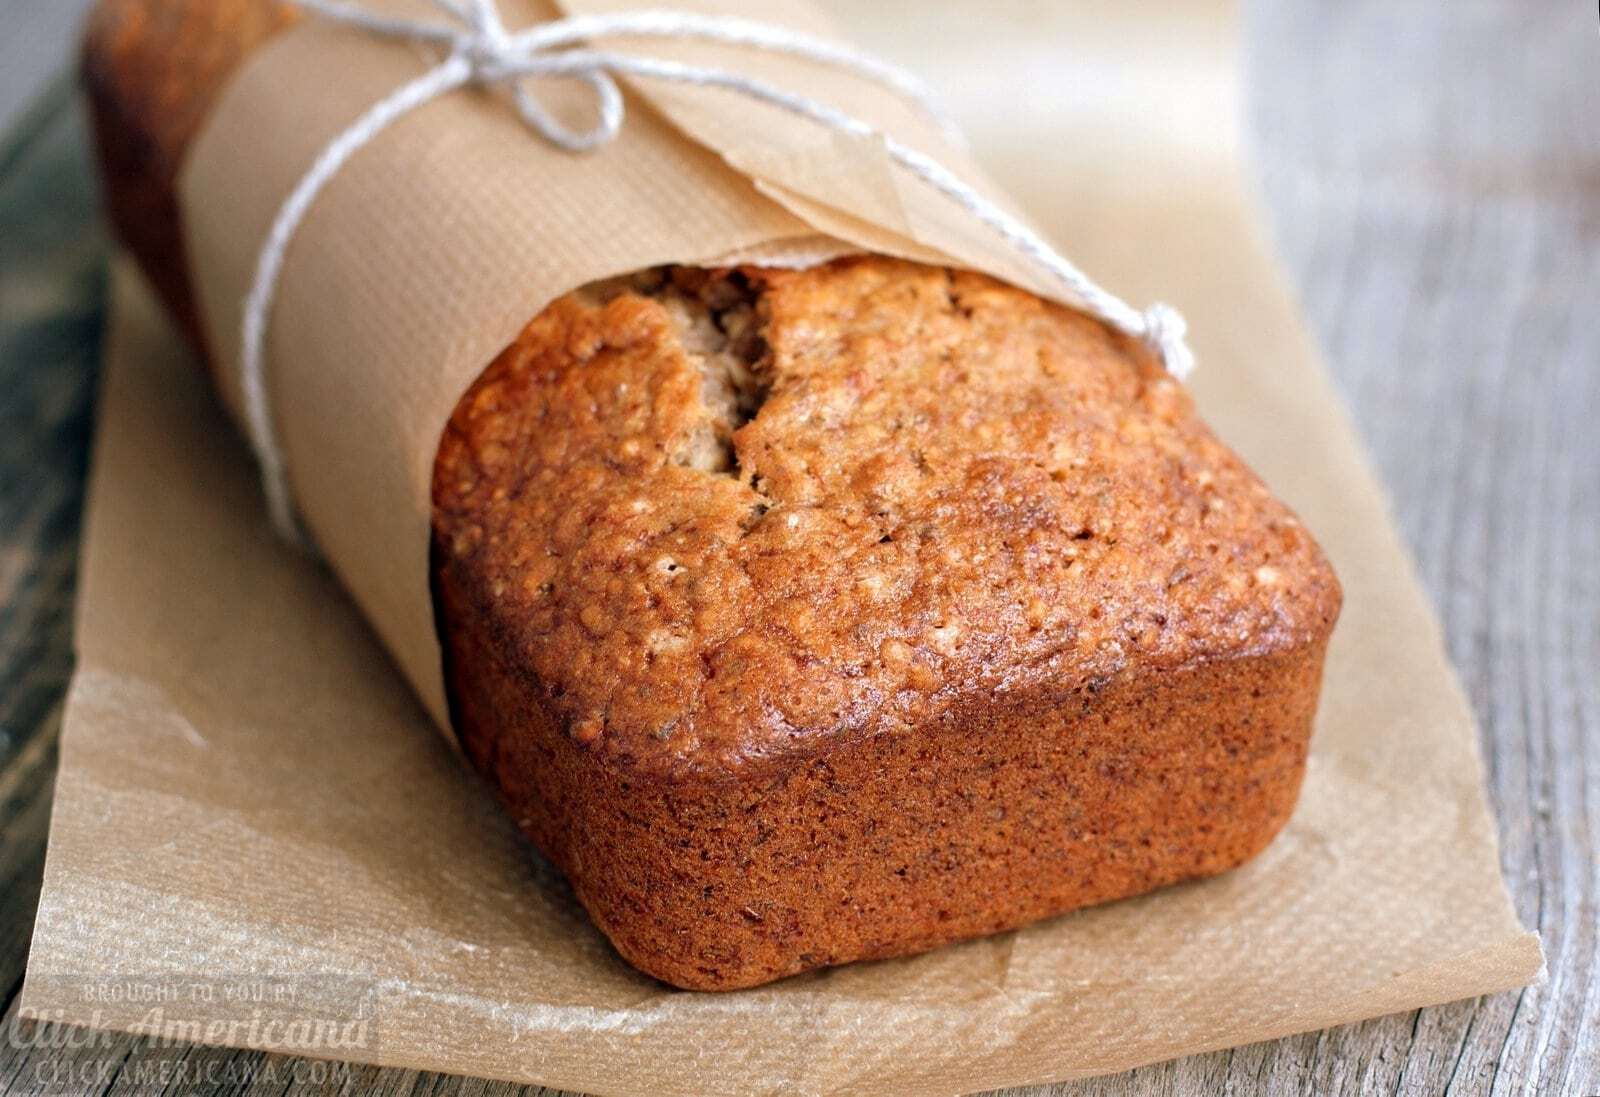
{"points": [[481, 52]]}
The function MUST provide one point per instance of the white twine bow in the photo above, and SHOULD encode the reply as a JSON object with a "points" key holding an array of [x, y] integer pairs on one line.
{"points": [[482, 52]]}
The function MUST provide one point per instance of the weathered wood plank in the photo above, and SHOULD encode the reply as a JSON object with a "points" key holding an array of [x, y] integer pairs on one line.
{"points": [[1439, 199], [51, 274], [38, 34], [25, 794]]}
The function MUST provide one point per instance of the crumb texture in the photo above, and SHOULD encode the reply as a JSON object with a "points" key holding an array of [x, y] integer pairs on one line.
{"points": [[717, 516]]}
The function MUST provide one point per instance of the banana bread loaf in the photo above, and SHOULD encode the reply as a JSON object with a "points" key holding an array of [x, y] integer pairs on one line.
{"points": [[802, 617]]}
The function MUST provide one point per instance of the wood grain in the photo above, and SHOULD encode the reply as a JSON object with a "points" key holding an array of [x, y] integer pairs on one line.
{"points": [[1433, 178], [38, 35]]}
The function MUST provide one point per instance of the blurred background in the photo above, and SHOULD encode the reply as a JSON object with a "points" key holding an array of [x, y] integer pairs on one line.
{"points": [[1429, 173]]}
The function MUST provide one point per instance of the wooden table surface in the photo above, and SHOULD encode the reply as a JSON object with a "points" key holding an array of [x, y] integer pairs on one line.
{"points": [[1433, 176]]}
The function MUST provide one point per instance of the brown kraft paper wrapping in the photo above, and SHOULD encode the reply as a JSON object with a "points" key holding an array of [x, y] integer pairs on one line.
{"points": [[435, 244], [250, 792]]}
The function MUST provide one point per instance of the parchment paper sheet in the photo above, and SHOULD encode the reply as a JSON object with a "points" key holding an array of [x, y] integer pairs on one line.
{"points": [[249, 792]]}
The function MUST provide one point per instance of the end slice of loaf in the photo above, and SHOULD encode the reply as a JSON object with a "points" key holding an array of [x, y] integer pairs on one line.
{"points": [[803, 617]]}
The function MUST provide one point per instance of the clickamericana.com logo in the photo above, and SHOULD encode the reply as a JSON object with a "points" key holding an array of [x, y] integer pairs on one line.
{"points": [[170, 1027]]}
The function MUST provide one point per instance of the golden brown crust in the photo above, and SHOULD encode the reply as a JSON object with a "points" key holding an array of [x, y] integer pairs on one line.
{"points": [[989, 818], [803, 617], [949, 488]]}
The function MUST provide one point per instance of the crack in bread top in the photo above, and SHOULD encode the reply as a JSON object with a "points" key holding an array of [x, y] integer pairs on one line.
{"points": [[718, 516]]}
